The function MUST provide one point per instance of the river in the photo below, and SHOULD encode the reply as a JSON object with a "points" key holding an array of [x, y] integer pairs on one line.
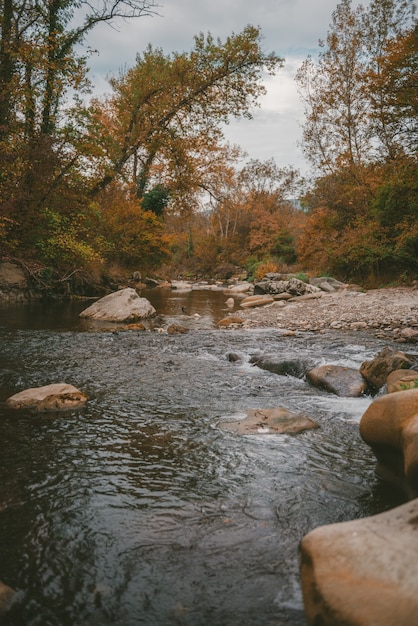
{"points": [[140, 509]]}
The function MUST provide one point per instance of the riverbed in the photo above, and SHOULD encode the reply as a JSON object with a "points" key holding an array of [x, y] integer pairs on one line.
{"points": [[140, 508]]}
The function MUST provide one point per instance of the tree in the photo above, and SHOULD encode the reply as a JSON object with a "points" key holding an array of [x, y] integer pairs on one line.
{"points": [[351, 91], [167, 112], [336, 132], [43, 147]]}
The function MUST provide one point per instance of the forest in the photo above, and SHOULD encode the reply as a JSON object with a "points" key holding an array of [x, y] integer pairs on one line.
{"points": [[142, 179]]}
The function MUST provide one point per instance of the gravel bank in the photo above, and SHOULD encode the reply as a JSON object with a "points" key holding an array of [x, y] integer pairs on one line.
{"points": [[391, 312]]}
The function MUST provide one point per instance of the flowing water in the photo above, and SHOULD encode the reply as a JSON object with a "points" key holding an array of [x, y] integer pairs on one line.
{"points": [[140, 509]]}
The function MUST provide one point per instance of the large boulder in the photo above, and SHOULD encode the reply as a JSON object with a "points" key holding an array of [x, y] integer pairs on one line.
{"points": [[121, 306], [270, 422], [377, 370], [55, 397], [294, 286], [390, 427], [343, 381], [363, 572]]}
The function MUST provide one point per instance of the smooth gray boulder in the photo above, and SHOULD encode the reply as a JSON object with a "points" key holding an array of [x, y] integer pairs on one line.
{"points": [[121, 306], [55, 397], [363, 572]]}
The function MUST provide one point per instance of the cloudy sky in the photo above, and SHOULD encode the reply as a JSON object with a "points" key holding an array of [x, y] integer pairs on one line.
{"points": [[291, 28]]}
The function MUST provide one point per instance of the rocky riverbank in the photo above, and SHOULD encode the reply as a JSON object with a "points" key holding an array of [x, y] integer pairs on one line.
{"points": [[390, 312]]}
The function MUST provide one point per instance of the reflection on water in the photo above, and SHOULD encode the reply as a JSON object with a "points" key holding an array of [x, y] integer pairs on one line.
{"points": [[139, 509]]}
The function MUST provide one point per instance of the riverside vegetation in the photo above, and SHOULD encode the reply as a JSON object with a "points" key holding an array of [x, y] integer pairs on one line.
{"points": [[142, 178]]}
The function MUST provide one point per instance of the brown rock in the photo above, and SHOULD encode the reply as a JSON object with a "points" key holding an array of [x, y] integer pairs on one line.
{"points": [[390, 428], [253, 301], [7, 595], [363, 572], [55, 397], [270, 422], [176, 329], [378, 369], [401, 380], [230, 321], [343, 381]]}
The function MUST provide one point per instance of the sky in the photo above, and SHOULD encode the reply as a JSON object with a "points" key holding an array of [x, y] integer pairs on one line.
{"points": [[290, 28]]}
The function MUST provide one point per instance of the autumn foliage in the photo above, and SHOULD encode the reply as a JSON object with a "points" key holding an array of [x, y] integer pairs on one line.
{"points": [[144, 179]]}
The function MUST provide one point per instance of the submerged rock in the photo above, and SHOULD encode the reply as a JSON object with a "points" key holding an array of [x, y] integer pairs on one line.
{"points": [[121, 306], [363, 572], [55, 397], [270, 422]]}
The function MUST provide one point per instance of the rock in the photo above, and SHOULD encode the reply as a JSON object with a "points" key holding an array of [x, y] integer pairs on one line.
{"points": [[55, 397], [283, 296], [241, 288], [326, 283], [401, 380], [363, 572], [343, 381], [7, 595], [230, 321], [390, 427], [233, 357], [151, 282], [253, 301], [293, 286], [230, 302], [176, 329], [270, 422], [13, 283], [410, 335], [121, 306], [378, 369], [283, 367], [306, 296]]}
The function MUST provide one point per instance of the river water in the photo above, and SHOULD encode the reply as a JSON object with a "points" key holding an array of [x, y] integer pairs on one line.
{"points": [[140, 509]]}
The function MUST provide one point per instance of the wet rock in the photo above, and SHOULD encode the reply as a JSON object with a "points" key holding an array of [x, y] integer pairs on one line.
{"points": [[378, 369], [401, 380], [233, 357], [343, 381], [390, 428], [270, 422], [55, 397], [7, 595], [283, 367], [121, 306], [363, 572]]}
